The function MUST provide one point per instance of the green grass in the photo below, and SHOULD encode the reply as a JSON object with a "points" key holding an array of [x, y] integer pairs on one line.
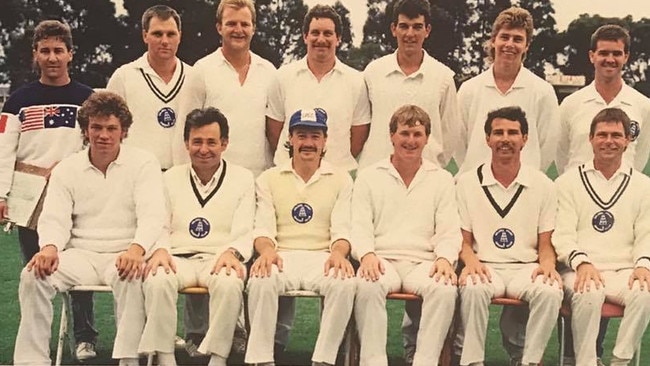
{"points": [[302, 339]]}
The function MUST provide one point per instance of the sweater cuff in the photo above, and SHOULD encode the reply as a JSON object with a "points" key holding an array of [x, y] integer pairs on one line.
{"points": [[577, 258], [643, 262]]}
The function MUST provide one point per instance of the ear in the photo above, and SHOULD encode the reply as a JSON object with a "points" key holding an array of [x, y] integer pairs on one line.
{"points": [[224, 143], [187, 145]]}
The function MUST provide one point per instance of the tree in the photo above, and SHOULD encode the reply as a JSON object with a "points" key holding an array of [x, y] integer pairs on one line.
{"points": [[544, 47], [346, 31], [278, 37]]}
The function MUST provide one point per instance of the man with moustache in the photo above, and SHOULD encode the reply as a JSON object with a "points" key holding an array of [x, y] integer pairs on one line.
{"points": [[38, 127], [405, 234], [103, 212], [603, 236], [211, 205], [610, 50], [302, 226], [507, 211], [411, 76], [321, 80]]}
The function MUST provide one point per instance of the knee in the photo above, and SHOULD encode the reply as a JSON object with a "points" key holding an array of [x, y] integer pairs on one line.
{"points": [[264, 285], [222, 283], [472, 291], [370, 289], [161, 281], [549, 294], [441, 292], [346, 286], [641, 298], [593, 299]]}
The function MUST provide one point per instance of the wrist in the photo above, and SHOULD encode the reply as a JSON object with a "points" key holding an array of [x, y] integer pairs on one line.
{"points": [[236, 254]]}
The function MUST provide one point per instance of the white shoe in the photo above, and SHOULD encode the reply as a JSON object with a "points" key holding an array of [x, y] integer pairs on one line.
{"points": [[85, 351], [179, 342]]}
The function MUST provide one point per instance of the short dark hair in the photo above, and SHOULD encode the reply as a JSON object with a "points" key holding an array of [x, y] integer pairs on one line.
{"points": [[322, 11], [411, 9], [610, 32], [513, 17], [512, 113], [613, 115], [203, 117], [52, 29], [163, 12], [410, 115], [104, 104]]}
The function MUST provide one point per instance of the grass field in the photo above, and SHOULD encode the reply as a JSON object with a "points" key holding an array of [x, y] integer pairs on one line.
{"points": [[302, 339]]}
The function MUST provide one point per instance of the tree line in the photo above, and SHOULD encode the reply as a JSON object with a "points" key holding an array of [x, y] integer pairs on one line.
{"points": [[104, 40]]}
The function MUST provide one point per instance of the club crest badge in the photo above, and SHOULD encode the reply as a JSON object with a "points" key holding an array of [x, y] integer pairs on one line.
{"points": [[302, 213], [503, 238], [602, 221], [167, 117], [199, 228], [635, 130]]}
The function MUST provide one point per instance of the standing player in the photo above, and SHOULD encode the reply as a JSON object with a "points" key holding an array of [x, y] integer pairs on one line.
{"points": [[104, 210], [236, 81], [411, 76], [321, 80], [38, 126], [507, 212], [403, 252], [302, 228], [508, 83], [212, 206], [152, 85], [603, 236]]}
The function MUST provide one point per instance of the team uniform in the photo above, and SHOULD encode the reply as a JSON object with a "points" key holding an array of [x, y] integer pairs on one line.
{"points": [[205, 221], [431, 87], [607, 223], [215, 83], [408, 228], [480, 95], [35, 116], [505, 223], [92, 217], [155, 106], [303, 220], [578, 110], [341, 93]]}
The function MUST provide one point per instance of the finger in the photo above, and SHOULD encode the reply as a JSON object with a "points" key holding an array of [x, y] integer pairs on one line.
{"points": [[240, 271], [432, 270], [350, 271], [454, 278], [280, 264], [630, 281], [147, 270], [172, 265], [382, 268], [326, 267]]}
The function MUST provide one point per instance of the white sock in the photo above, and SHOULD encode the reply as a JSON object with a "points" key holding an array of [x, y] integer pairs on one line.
{"points": [[216, 360], [166, 358]]}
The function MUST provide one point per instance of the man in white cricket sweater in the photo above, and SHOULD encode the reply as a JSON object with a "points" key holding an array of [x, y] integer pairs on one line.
{"points": [[211, 205], [507, 212], [302, 228], [406, 236], [103, 212], [603, 236]]}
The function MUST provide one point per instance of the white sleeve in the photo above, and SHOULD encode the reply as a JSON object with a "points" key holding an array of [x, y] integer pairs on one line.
{"points": [[192, 96], [447, 238], [642, 151], [450, 119], [265, 222], [464, 104], [241, 232], [55, 222], [150, 208], [9, 136], [275, 100], [548, 123], [563, 138], [565, 236], [363, 226]]}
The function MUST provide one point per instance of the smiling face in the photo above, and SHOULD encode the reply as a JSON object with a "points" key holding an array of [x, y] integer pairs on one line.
{"points": [[408, 142], [205, 147], [236, 28], [608, 59], [510, 45], [308, 143], [321, 40], [52, 57], [410, 33], [506, 139], [162, 39], [608, 142]]}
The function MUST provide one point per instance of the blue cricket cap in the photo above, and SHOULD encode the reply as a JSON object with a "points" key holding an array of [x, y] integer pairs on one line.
{"points": [[316, 118]]}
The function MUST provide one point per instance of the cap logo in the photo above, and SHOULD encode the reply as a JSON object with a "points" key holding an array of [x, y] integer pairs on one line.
{"points": [[308, 115]]}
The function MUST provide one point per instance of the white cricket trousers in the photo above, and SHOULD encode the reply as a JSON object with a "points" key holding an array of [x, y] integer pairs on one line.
{"points": [[161, 295], [76, 267], [438, 305], [303, 270], [586, 308], [513, 281]]}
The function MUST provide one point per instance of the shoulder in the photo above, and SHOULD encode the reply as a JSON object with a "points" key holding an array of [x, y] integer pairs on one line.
{"points": [[21, 97], [238, 173], [136, 156]]}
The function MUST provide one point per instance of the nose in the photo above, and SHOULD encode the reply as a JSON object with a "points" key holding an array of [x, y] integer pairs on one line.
{"points": [[51, 57]]}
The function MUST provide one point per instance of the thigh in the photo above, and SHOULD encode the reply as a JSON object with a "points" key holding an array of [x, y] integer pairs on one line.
{"points": [[519, 279], [496, 282], [417, 278], [78, 267], [616, 285], [303, 270], [187, 271]]}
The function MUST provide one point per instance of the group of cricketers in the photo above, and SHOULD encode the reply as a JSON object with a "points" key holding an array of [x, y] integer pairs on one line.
{"points": [[234, 176]]}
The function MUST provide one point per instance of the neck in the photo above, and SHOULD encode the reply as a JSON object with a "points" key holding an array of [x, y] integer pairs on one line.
{"points": [[608, 89], [305, 169], [410, 61], [406, 168], [237, 58], [506, 71], [101, 161], [164, 68], [607, 167], [318, 68], [64, 80], [505, 171], [206, 174]]}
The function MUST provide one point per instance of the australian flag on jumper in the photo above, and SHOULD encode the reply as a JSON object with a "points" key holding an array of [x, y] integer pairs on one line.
{"points": [[47, 116]]}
